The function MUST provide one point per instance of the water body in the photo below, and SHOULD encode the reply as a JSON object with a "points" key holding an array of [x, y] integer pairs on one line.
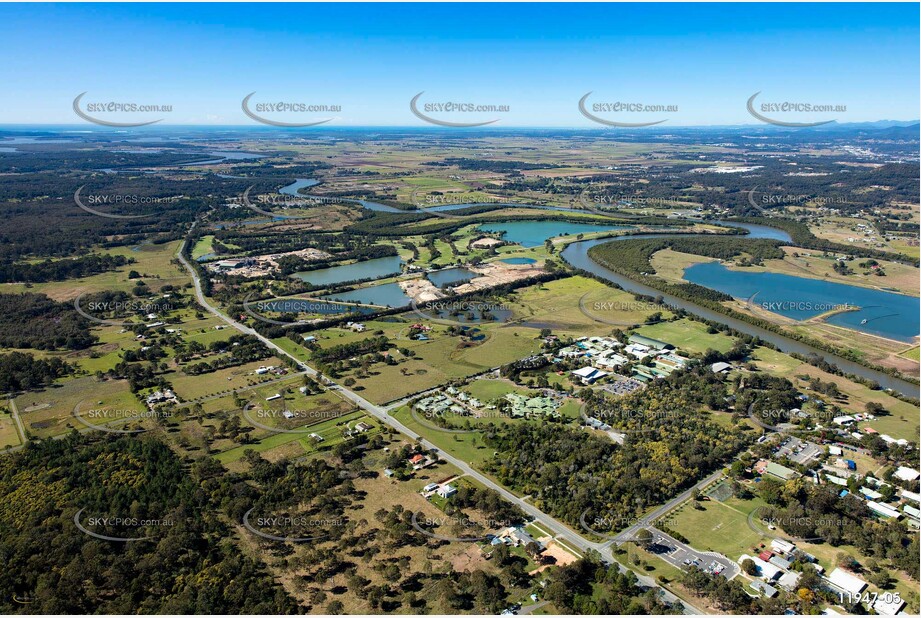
{"points": [[384, 295], [576, 254], [298, 184], [886, 314], [519, 260], [535, 233], [227, 155], [450, 275], [369, 269]]}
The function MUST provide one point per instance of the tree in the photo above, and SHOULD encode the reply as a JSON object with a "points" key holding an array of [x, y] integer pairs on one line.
{"points": [[644, 537], [335, 608], [749, 566]]}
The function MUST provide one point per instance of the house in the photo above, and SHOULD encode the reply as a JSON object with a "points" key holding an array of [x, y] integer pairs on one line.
{"points": [[589, 375], [309, 338], [765, 570], [844, 419], [765, 589], [416, 459], [912, 512], [906, 474], [781, 546], [883, 510], [362, 427], [650, 342], [720, 367], [163, 396], [779, 561], [888, 604], [776, 470], [446, 491], [788, 580], [356, 327], [520, 537], [846, 582]]}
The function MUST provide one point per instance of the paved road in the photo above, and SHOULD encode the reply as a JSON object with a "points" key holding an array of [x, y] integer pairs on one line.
{"points": [[14, 412], [647, 520], [561, 531], [679, 554]]}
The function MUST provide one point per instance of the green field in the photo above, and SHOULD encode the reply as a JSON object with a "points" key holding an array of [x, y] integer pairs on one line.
{"points": [[468, 446], [688, 336], [50, 412], [330, 431]]}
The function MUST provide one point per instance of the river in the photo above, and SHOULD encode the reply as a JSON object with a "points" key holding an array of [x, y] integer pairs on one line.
{"points": [[576, 254]]}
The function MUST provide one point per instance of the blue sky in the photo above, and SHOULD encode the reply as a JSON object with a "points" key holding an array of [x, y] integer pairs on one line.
{"points": [[538, 59]]}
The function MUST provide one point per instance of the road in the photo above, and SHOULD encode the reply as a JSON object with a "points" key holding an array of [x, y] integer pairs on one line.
{"points": [[648, 520], [14, 412], [559, 529]]}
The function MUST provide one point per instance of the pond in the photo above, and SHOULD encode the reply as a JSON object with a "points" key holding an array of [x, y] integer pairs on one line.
{"points": [[450, 275], [369, 269], [384, 295], [535, 233]]}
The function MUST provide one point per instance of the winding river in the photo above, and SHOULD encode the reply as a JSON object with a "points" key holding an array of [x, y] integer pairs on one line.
{"points": [[576, 254]]}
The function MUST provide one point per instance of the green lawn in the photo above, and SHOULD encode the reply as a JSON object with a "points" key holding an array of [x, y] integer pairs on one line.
{"points": [[687, 335]]}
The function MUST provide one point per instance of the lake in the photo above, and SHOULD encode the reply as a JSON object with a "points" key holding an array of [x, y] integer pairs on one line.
{"points": [[535, 233], [519, 260], [369, 269], [450, 275], [385, 295], [886, 314]]}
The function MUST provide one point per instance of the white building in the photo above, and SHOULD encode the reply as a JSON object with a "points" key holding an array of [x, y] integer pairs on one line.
{"points": [[847, 582], [589, 375], [906, 474]]}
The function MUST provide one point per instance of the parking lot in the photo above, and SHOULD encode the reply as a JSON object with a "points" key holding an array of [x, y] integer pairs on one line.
{"points": [[799, 451], [684, 556]]}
